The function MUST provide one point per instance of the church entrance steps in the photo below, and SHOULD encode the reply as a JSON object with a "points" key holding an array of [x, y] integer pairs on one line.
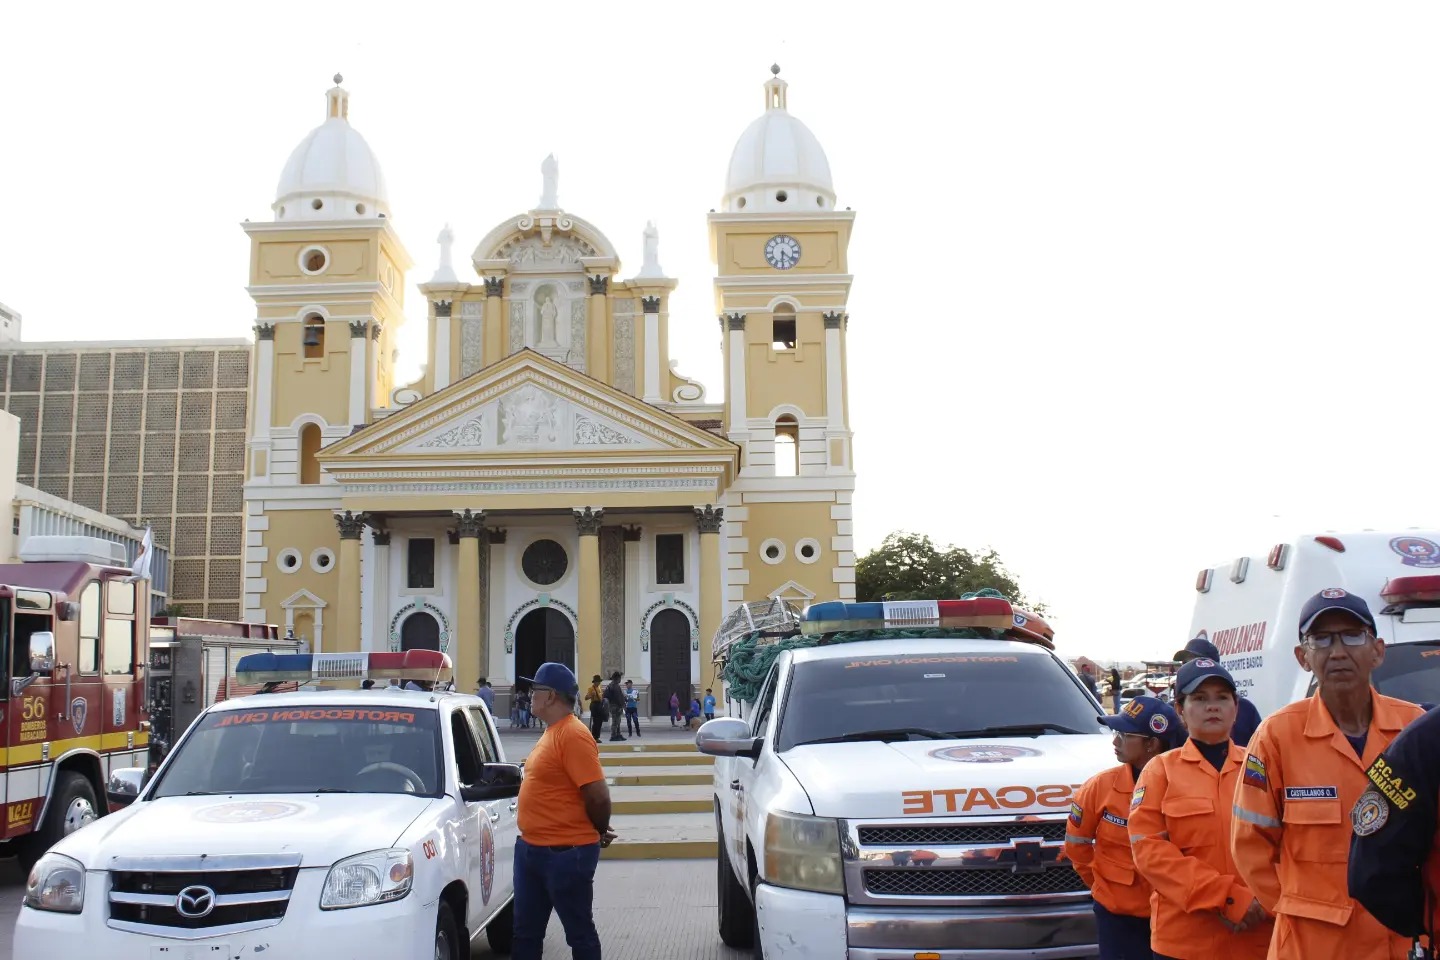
{"points": [[665, 836], [667, 745], [654, 777], [656, 760], [662, 798]]}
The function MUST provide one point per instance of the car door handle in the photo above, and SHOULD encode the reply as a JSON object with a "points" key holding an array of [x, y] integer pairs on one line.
{"points": [[494, 818], [735, 785], [514, 807]]}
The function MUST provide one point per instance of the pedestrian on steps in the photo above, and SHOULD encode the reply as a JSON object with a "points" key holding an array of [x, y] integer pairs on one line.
{"points": [[632, 708], [595, 700], [615, 705]]}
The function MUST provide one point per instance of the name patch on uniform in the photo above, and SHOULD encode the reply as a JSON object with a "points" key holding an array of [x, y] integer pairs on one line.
{"points": [[1137, 798], [1076, 814], [1390, 784], [1109, 817], [1255, 773], [1311, 793]]}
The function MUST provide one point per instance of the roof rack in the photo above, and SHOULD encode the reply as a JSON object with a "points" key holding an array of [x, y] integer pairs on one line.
{"points": [[773, 617]]}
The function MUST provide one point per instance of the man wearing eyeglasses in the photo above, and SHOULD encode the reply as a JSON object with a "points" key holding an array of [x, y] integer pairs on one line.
{"points": [[564, 820], [1304, 773]]}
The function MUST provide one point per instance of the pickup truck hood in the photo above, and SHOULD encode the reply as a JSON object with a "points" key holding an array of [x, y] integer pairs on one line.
{"points": [[322, 829], [1002, 777]]}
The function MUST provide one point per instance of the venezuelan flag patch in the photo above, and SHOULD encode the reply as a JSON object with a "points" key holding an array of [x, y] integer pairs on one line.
{"points": [[1137, 798], [1255, 773], [1076, 814]]}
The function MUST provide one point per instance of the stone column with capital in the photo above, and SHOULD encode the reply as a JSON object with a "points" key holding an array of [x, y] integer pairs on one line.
{"points": [[468, 603], [380, 584], [710, 521], [650, 382], [499, 664], [264, 388], [597, 337], [495, 324], [347, 635], [359, 341], [637, 654], [587, 654]]}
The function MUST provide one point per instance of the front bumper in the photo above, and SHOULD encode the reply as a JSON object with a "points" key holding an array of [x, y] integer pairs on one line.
{"points": [[797, 924], [405, 927]]}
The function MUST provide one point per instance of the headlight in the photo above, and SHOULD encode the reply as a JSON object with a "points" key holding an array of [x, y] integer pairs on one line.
{"points": [[56, 884], [803, 852], [375, 877]]}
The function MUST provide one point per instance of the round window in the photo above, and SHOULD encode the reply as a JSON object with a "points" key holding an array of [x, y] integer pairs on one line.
{"points": [[322, 560], [808, 550], [772, 551], [315, 261], [544, 562], [288, 560]]}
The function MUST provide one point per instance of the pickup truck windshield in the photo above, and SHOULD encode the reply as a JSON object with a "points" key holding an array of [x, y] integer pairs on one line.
{"points": [[1411, 671], [933, 696], [308, 749]]}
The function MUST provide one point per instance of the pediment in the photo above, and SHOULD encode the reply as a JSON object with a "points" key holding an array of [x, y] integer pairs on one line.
{"points": [[523, 406], [303, 599]]}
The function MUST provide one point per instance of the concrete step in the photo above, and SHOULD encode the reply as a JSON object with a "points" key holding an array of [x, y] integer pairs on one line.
{"points": [[638, 759], [655, 777], [662, 798], [641, 745], [669, 836]]}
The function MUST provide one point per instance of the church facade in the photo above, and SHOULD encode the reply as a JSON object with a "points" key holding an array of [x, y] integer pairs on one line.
{"points": [[551, 488]]}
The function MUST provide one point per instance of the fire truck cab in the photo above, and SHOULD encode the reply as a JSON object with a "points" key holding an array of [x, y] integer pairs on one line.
{"points": [[73, 631]]}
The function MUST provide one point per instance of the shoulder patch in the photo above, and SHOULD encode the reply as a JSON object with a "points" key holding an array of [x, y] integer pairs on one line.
{"points": [[1370, 814], [1255, 773], [1076, 813], [1137, 798], [1312, 793], [1390, 784]]}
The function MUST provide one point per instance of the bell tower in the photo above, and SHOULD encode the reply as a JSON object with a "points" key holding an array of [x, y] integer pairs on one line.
{"points": [[782, 286]]}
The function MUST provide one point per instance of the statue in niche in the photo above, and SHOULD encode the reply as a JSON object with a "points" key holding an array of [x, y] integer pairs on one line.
{"points": [[550, 174], [548, 313]]}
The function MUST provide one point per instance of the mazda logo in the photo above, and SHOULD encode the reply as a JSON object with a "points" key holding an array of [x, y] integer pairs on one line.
{"points": [[195, 902]]}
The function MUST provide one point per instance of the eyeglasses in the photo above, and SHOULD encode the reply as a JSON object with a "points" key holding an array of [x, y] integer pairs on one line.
{"points": [[1350, 638], [1121, 735]]}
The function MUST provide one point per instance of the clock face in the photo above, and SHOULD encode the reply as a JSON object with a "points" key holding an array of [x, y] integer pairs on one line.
{"points": [[782, 252]]}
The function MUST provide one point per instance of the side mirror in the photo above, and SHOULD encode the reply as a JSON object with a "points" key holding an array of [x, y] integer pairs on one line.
{"points": [[124, 786], [498, 781], [727, 737], [42, 653]]}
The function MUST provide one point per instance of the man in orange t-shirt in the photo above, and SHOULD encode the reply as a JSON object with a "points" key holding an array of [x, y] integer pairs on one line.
{"points": [[564, 821]]}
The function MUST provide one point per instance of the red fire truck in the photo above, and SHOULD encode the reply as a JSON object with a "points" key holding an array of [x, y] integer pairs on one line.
{"points": [[75, 636]]}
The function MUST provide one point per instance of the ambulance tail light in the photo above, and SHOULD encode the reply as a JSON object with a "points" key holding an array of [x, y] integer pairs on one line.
{"points": [[1279, 554], [1332, 542], [1202, 580], [1404, 592], [310, 667]]}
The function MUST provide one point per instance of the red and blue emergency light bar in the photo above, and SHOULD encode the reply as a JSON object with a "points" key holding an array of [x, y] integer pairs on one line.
{"points": [[990, 613], [1404, 592], [309, 667]]}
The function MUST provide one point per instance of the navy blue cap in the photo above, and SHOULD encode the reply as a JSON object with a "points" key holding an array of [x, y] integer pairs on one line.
{"points": [[557, 677], [1197, 647], [1148, 717], [1197, 671], [1335, 599]]}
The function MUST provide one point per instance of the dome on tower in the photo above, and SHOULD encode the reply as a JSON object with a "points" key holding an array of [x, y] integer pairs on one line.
{"points": [[333, 173], [778, 165]]}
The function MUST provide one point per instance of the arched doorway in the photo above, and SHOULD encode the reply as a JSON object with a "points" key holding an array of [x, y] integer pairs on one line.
{"points": [[420, 631], [544, 635], [669, 660]]}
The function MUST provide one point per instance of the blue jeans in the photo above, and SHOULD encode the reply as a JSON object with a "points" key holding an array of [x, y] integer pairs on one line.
{"points": [[1122, 937], [562, 881]]}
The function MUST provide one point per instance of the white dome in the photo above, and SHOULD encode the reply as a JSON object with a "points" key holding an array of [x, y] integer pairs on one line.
{"points": [[778, 165], [333, 173]]}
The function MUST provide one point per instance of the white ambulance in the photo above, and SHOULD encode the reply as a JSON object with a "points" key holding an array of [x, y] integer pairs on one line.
{"points": [[906, 796], [1250, 609]]}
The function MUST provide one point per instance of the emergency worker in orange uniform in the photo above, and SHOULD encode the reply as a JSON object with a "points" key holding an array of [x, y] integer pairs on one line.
{"points": [[1180, 831], [1304, 774], [1097, 838]]}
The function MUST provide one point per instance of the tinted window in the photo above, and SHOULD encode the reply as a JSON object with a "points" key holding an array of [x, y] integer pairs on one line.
{"points": [[308, 749], [670, 558], [1411, 671], [420, 564], [946, 692], [482, 735]]}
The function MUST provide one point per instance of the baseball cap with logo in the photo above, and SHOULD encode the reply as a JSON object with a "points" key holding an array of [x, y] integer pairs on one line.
{"points": [[557, 677], [1334, 599], [1197, 647], [1197, 671], [1147, 717]]}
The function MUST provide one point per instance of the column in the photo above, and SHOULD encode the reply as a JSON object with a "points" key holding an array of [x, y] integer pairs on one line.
{"points": [[709, 520], [499, 664], [650, 391], [496, 329], [735, 385], [597, 341], [834, 389], [441, 372], [380, 584], [468, 606], [264, 387], [587, 653], [637, 658], [358, 337], [347, 621]]}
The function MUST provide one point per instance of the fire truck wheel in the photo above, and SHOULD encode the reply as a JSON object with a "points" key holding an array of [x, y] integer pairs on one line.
{"points": [[72, 806]]}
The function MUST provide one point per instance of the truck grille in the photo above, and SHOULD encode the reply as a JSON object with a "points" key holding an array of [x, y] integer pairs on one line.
{"points": [[201, 894], [975, 833], [971, 883]]}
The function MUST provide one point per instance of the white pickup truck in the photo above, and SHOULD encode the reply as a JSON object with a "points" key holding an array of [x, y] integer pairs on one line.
{"points": [[344, 824], [906, 796]]}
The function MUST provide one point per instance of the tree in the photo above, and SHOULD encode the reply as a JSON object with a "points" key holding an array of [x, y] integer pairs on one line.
{"points": [[908, 566]]}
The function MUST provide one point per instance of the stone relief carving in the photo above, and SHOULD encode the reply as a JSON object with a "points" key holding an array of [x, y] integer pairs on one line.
{"points": [[533, 251], [520, 287], [528, 416], [517, 325], [612, 600], [624, 351], [471, 433], [594, 433], [577, 335], [576, 286], [472, 308], [472, 344]]}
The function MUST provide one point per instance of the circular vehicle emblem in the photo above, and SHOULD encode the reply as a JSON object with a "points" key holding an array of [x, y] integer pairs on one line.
{"points": [[1204, 662], [1417, 551], [1370, 813], [983, 753], [248, 812], [1334, 593], [1159, 723], [487, 859], [195, 902]]}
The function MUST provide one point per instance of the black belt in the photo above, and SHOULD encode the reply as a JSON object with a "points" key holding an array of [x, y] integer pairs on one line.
{"points": [[555, 849]]}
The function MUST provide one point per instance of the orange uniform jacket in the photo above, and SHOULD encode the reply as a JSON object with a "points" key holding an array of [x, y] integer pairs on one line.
{"points": [[1292, 828], [1180, 832], [1097, 841]]}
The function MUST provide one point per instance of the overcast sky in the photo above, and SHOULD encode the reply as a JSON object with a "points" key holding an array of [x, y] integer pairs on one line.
{"points": [[1139, 287]]}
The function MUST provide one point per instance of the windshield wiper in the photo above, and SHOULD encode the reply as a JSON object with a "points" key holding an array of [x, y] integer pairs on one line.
{"points": [[895, 733], [332, 790], [1013, 730], [202, 793]]}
